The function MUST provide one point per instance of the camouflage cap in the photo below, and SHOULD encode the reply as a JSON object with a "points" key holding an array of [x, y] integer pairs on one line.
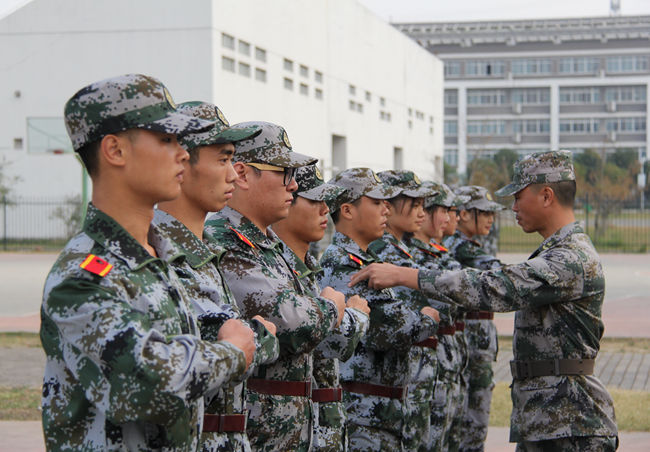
{"points": [[407, 181], [445, 196], [312, 186], [271, 146], [539, 168], [479, 198], [360, 182], [131, 101], [220, 133]]}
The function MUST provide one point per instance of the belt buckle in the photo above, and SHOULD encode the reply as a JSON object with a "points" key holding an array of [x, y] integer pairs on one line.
{"points": [[556, 367]]}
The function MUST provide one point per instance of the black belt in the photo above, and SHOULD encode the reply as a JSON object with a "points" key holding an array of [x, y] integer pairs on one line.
{"points": [[279, 387], [548, 367], [326, 394], [430, 342], [224, 423], [392, 392], [479, 315]]}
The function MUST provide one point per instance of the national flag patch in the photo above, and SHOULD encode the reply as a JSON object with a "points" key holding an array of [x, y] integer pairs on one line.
{"points": [[243, 238], [96, 265], [356, 259]]}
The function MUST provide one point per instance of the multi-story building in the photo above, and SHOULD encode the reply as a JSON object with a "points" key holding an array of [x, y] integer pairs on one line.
{"points": [[537, 84]]}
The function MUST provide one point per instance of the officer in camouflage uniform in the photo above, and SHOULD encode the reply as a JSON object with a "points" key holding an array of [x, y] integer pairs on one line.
{"points": [[451, 387], [406, 215], [279, 404], [306, 224], [376, 379], [476, 216], [125, 368], [208, 180], [558, 404]]}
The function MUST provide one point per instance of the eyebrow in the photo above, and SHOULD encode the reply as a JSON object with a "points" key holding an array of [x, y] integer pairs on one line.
{"points": [[228, 152]]}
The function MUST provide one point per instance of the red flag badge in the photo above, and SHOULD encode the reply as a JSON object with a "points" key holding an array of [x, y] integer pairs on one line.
{"points": [[243, 238], [356, 259], [96, 265]]}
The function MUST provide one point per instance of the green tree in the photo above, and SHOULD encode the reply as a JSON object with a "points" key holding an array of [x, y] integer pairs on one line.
{"points": [[6, 182], [492, 173]]}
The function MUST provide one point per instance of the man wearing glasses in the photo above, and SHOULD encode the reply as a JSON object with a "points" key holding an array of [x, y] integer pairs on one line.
{"points": [[263, 283]]}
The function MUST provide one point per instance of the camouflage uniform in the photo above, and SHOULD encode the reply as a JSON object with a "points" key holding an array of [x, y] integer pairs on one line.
{"points": [[263, 283], [558, 294], [382, 357], [480, 334], [213, 304], [329, 426], [124, 366]]}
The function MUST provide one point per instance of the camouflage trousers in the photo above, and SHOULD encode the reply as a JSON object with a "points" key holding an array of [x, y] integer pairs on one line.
{"points": [[330, 432], [420, 398], [477, 413], [279, 422], [363, 438], [446, 415], [571, 444], [214, 441]]}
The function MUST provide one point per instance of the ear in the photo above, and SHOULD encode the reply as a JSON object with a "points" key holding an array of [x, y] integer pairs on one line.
{"points": [[547, 195], [243, 174], [112, 149], [465, 215], [346, 211]]}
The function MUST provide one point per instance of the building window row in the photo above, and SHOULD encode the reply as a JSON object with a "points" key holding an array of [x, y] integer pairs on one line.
{"points": [[637, 124], [621, 64], [579, 126], [625, 94], [532, 126], [486, 97], [355, 106], [580, 95], [384, 116], [243, 47], [486, 128]]}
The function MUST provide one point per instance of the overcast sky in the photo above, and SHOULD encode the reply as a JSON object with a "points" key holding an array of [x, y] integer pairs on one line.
{"points": [[461, 10]]}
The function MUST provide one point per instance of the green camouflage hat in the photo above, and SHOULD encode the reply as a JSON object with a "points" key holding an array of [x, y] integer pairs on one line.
{"points": [[312, 186], [360, 182], [479, 198], [445, 197], [219, 134], [271, 146], [131, 101], [407, 182], [539, 168]]}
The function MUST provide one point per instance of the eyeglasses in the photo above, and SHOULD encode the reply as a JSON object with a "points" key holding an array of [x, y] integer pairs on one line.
{"points": [[289, 173]]}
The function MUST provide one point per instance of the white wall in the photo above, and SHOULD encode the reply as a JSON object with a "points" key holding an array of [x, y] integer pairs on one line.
{"points": [[49, 49]]}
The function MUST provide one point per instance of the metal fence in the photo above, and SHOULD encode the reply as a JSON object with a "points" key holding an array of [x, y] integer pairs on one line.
{"points": [[34, 224], [614, 226]]}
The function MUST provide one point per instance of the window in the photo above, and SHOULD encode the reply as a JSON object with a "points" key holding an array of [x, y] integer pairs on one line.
{"points": [[260, 54], [626, 125], [318, 93], [451, 128], [486, 128], [581, 95], [531, 66], [304, 89], [288, 84], [452, 69], [625, 94], [531, 126], [581, 65], [288, 65], [368, 96], [451, 157], [410, 112], [486, 97], [484, 68], [579, 126], [451, 97], [244, 69], [352, 105], [382, 101], [359, 107], [628, 63], [227, 64], [304, 70], [318, 76], [227, 41], [352, 90], [260, 74], [244, 48], [539, 96]]}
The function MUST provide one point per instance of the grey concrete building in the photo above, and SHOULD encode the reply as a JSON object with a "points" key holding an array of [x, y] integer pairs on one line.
{"points": [[532, 85]]}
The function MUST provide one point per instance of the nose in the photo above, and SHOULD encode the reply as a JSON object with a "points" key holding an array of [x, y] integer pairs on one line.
{"points": [[232, 175], [183, 155], [324, 210], [292, 186]]}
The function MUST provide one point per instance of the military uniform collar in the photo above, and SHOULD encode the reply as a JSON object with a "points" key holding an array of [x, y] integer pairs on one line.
{"points": [[558, 236], [426, 247], [350, 246], [195, 251], [108, 233], [301, 269], [467, 238], [251, 232]]}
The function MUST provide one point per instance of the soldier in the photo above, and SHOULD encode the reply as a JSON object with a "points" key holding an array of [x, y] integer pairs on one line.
{"points": [[207, 185], [558, 404], [451, 387], [405, 216], [306, 224], [376, 378], [280, 410], [125, 368], [476, 218]]}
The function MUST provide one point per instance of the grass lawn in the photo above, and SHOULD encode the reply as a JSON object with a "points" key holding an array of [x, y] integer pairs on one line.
{"points": [[20, 404]]}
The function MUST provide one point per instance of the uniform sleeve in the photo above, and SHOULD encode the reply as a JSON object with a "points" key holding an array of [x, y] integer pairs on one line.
{"points": [[268, 347], [557, 276], [302, 321], [475, 256], [344, 339], [129, 370]]}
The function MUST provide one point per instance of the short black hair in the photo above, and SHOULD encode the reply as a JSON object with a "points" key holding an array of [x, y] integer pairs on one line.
{"points": [[335, 214], [565, 191], [89, 155]]}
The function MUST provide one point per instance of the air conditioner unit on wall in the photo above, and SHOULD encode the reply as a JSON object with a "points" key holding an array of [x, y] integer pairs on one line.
{"points": [[516, 108], [517, 138], [611, 136], [611, 106]]}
